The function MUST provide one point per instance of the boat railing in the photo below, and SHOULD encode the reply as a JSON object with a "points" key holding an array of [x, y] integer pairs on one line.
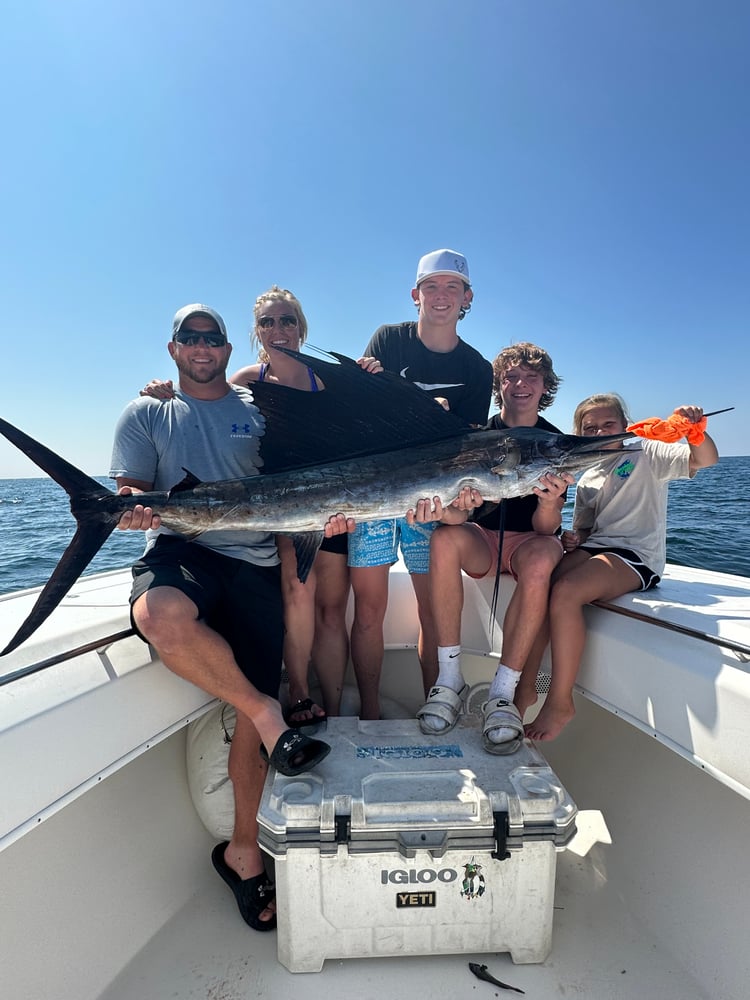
{"points": [[741, 648], [99, 645]]}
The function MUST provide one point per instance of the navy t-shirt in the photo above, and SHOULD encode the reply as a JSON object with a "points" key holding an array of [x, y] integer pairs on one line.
{"points": [[462, 376], [518, 510]]}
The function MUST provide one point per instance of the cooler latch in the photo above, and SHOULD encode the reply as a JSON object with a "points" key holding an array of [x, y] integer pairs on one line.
{"points": [[342, 828], [501, 825]]}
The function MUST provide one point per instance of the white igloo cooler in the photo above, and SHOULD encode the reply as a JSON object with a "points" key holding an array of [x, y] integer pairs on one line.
{"points": [[406, 844]]}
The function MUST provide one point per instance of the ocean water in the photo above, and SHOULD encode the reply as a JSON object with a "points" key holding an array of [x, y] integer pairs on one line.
{"points": [[708, 526], [36, 526]]}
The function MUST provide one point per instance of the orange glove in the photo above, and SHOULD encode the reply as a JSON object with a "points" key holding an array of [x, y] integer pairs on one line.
{"points": [[671, 429]]}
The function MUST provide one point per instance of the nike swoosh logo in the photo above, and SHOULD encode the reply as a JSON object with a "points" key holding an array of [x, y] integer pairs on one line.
{"points": [[438, 385], [431, 387]]}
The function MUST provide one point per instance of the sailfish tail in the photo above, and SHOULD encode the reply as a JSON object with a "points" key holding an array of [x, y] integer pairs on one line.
{"points": [[92, 531], [86, 542]]}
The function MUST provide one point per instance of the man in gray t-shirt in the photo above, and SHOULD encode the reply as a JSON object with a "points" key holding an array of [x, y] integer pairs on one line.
{"points": [[211, 606]]}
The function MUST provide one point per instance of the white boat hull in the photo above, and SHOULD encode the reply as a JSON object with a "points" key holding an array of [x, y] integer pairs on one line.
{"points": [[107, 887]]}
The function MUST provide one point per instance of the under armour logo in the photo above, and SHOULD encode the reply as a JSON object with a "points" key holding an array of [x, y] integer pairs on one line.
{"points": [[241, 429]]}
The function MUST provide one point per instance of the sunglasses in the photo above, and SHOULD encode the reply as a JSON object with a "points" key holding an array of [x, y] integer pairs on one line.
{"points": [[190, 338], [286, 322]]}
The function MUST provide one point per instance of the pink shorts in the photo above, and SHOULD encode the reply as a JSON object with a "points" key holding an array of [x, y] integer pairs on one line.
{"points": [[512, 541]]}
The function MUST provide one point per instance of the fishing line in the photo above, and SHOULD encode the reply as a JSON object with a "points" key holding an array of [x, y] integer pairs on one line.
{"points": [[496, 588]]}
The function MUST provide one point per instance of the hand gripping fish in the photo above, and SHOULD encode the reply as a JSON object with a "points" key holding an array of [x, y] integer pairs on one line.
{"points": [[369, 446]]}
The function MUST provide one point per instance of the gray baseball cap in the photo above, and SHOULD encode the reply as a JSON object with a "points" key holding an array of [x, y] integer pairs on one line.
{"points": [[197, 309]]}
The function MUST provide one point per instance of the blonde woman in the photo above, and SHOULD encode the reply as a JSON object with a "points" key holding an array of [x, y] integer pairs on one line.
{"points": [[314, 611]]}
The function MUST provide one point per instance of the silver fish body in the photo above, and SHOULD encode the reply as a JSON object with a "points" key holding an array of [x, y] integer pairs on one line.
{"points": [[500, 464], [366, 488]]}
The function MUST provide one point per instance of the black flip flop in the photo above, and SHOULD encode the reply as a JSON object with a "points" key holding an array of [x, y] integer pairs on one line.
{"points": [[253, 895], [295, 753], [303, 705]]}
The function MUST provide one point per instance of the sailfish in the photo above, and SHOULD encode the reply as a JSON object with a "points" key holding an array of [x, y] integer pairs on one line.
{"points": [[369, 446]]}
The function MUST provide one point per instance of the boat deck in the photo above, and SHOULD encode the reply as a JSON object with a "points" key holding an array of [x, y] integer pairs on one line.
{"points": [[599, 953], [154, 922]]}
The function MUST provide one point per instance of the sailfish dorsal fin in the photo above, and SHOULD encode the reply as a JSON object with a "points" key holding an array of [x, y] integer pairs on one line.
{"points": [[358, 413]]}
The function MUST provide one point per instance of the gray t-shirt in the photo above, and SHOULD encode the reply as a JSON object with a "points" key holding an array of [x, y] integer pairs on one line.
{"points": [[623, 499], [157, 440]]}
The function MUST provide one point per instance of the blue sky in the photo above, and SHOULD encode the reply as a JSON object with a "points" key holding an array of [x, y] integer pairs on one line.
{"points": [[590, 157]]}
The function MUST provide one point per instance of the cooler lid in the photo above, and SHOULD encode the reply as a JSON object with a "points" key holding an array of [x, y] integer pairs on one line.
{"points": [[386, 785]]}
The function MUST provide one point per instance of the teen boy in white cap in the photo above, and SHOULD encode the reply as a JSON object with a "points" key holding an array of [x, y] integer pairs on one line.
{"points": [[429, 353]]}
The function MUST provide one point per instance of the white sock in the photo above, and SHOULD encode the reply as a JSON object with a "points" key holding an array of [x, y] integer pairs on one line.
{"points": [[503, 686], [504, 683], [449, 676], [449, 668]]}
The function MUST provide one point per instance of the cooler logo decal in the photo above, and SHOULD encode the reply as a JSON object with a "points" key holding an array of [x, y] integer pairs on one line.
{"points": [[473, 885], [404, 899], [419, 897], [411, 752], [400, 876]]}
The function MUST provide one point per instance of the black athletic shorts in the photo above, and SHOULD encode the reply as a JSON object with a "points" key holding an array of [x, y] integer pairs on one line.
{"points": [[238, 599], [649, 579], [338, 544]]}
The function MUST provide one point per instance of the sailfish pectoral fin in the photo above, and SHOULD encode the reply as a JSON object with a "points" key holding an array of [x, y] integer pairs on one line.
{"points": [[88, 539], [306, 548]]}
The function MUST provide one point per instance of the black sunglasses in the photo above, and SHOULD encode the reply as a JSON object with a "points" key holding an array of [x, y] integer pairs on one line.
{"points": [[267, 322], [191, 338]]}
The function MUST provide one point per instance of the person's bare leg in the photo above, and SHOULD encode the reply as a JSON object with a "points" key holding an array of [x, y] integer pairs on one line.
{"points": [[533, 563], [186, 645], [370, 585], [601, 577], [452, 549], [331, 644], [247, 772], [427, 642], [299, 630], [526, 692]]}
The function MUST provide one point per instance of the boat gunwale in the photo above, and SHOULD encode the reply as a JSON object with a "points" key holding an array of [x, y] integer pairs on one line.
{"points": [[103, 642]]}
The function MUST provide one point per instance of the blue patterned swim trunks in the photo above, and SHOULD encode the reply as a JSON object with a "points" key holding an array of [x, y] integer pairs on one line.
{"points": [[375, 543]]}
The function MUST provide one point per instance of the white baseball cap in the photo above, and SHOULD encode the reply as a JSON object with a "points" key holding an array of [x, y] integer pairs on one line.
{"points": [[443, 262]]}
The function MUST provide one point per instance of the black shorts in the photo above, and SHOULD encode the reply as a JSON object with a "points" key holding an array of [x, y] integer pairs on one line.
{"points": [[649, 579], [238, 599], [338, 544]]}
